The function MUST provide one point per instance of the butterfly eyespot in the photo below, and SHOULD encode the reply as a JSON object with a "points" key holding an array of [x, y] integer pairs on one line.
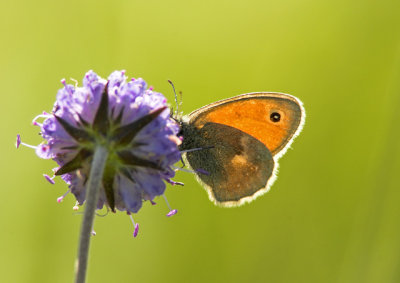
{"points": [[275, 117]]}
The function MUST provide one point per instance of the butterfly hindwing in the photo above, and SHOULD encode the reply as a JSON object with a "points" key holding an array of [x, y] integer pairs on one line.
{"points": [[232, 165]]}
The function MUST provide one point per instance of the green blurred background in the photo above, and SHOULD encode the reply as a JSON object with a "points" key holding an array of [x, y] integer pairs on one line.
{"points": [[333, 214]]}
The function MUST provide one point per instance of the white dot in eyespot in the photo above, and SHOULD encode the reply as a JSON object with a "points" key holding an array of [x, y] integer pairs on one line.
{"points": [[275, 117]]}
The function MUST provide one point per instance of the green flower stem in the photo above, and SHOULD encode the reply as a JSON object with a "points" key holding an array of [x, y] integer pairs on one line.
{"points": [[92, 196]]}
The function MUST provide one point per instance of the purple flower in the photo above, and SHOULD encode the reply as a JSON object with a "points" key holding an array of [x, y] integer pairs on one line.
{"points": [[132, 121]]}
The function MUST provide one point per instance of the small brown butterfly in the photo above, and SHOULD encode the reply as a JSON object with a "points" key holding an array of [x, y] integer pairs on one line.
{"points": [[241, 140]]}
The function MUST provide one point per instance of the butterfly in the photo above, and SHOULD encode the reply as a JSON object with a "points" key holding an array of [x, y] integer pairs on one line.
{"points": [[233, 145]]}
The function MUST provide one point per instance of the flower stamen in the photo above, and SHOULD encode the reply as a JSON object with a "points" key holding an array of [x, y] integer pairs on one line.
{"points": [[171, 211], [19, 142], [183, 169], [61, 198], [63, 81], [75, 81], [44, 115], [174, 182], [49, 179], [135, 225], [76, 206], [201, 171]]}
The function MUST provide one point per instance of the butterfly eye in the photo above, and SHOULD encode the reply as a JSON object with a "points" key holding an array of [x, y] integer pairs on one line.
{"points": [[275, 117]]}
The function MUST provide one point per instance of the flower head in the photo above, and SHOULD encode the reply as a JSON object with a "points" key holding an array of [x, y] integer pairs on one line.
{"points": [[132, 121]]}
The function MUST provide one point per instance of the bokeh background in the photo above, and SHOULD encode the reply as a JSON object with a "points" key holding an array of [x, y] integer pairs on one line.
{"points": [[333, 214]]}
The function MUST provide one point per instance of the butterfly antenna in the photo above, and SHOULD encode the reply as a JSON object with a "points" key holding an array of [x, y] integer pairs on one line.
{"points": [[176, 99], [180, 98]]}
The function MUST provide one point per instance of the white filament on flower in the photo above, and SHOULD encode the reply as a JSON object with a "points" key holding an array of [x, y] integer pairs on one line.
{"points": [[45, 115], [171, 211]]}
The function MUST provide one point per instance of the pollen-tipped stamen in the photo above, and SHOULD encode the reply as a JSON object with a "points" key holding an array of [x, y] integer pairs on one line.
{"points": [[171, 211], [135, 225], [19, 142], [64, 82], [49, 179], [43, 115], [76, 206], [61, 198]]}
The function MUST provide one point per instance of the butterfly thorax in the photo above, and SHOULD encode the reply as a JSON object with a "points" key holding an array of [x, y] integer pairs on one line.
{"points": [[189, 134]]}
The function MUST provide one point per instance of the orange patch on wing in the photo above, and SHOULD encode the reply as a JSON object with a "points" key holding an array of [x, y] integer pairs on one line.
{"points": [[252, 116]]}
